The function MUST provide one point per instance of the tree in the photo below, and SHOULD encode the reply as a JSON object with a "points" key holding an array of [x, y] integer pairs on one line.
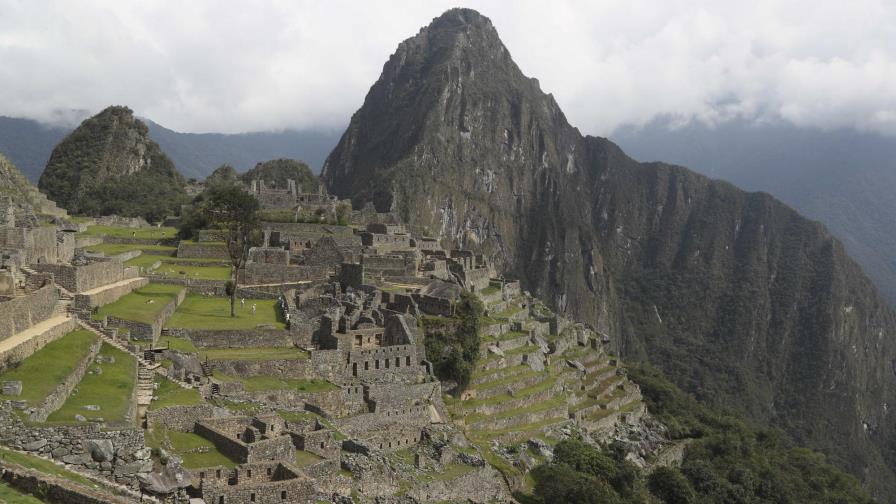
{"points": [[232, 209]]}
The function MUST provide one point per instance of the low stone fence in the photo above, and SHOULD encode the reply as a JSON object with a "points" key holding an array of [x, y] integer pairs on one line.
{"points": [[106, 296], [56, 398], [117, 455], [52, 489], [236, 338], [26, 348]]}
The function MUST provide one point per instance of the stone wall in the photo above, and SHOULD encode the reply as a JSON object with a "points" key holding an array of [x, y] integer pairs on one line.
{"points": [[57, 397], [236, 338], [115, 455], [106, 296], [86, 277], [289, 490], [258, 273], [298, 369], [21, 313], [202, 250], [388, 359]]}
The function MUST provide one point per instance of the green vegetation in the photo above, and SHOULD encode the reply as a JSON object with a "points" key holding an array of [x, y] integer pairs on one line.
{"points": [[89, 171], [230, 208], [141, 305], [47, 367], [264, 383], [112, 390], [171, 394], [213, 313], [276, 172], [453, 344], [195, 450], [151, 233], [725, 461]]}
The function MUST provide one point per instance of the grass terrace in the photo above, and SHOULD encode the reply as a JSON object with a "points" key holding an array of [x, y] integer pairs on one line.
{"points": [[304, 458], [169, 393], [111, 249], [198, 272], [141, 305], [213, 313], [47, 367], [265, 383], [195, 450], [180, 344], [254, 354], [153, 233], [112, 390]]}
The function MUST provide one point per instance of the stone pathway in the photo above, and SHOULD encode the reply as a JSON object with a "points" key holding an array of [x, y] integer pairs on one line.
{"points": [[120, 283]]}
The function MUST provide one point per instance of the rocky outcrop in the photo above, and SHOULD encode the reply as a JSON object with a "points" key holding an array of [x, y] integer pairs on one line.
{"points": [[109, 165], [737, 297]]}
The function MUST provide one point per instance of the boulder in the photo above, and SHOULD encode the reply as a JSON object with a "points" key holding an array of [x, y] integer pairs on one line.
{"points": [[35, 445], [172, 477], [101, 450]]}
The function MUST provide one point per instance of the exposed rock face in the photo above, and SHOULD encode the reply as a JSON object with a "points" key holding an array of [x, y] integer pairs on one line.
{"points": [[737, 297], [110, 165]]}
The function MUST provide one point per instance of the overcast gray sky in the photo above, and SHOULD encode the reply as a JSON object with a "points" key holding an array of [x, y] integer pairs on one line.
{"points": [[198, 66]]}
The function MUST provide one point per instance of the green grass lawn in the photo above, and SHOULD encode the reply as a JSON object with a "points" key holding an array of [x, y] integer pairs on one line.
{"points": [[256, 354], [111, 249], [180, 344], [183, 443], [199, 272], [112, 390], [263, 383], [171, 394], [47, 367], [153, 233], [143, 260], [44, 466], [141, 305], [9, 495], [213, 313]]}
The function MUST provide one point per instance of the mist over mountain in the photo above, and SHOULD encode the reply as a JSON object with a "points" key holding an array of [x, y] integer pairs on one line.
{"points": [[28, 144], [844, 178], [742, 301]]}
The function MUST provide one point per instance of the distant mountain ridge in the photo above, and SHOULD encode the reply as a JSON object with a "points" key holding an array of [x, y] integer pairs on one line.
{"points": [[742, 301], [28, 143]]}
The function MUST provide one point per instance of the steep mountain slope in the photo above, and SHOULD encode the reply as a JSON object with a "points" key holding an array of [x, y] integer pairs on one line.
{"points": [[741, 300], [109, 165], [845, 179], [16, 187]]}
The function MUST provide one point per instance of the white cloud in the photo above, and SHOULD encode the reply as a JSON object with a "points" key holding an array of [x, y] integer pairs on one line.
{"points": [[238, 66]]}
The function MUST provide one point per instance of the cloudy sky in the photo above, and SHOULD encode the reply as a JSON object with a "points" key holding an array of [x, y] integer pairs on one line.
{"points": [[200, 66]]}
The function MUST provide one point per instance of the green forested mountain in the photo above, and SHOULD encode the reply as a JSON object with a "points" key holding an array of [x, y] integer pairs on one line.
{"points": [[278, 171], [735, 296], [109, 165]]}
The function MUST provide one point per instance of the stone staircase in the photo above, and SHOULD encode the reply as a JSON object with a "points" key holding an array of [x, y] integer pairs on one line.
{"points": [[145, 386]]}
